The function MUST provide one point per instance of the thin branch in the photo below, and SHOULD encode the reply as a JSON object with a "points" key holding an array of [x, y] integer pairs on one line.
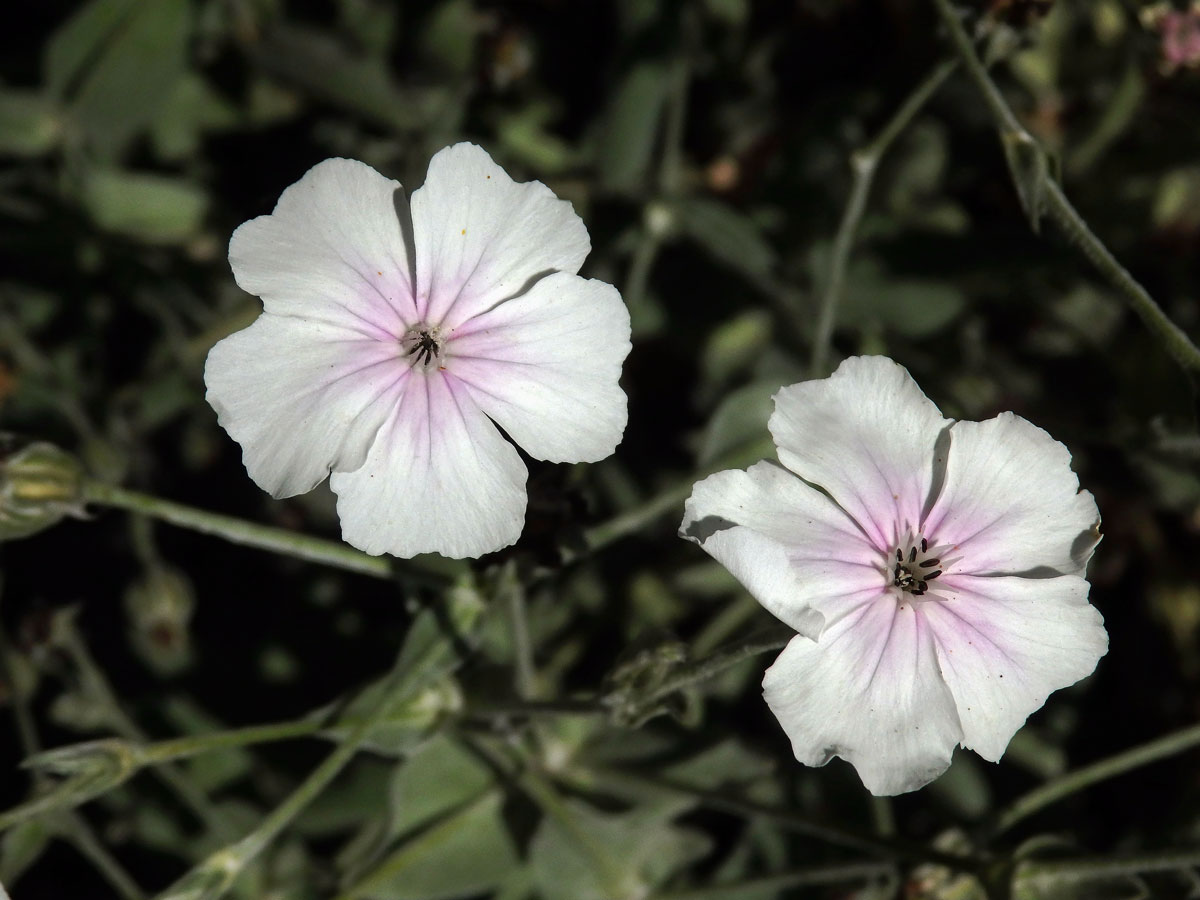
{"points": [[265, 537], [1073, 782], [863, 164]]}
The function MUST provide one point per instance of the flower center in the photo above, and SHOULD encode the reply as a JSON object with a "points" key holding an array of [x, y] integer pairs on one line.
{"points": [[915, 566], [424, 344]]}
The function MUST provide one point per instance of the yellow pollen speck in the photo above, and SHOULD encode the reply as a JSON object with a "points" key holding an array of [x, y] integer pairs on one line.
{"points": [[378, 273], [464, 231]]}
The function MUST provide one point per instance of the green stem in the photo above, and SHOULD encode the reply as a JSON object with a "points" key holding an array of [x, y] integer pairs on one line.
{"points": [[218, 872], [815, 875], [670, 171], [887, 847], [1059, 208], [634, 520], [96, 686], [70, 825], [714, 665], [1064, 870], [1073, 782], [863, 164], [261, 537], [542, 791], [525, 674], [76, 830]]}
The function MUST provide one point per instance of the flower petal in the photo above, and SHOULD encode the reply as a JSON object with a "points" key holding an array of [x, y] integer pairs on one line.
{"points": [[870, 693], [788, 544], [1004, 644], [545, 366], [481, 237], [301, 397], [439, 479], [1011, 503], [867, 435], [333, 249]]}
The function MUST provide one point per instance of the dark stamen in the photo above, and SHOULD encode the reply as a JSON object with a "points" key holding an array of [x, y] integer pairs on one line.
{"points": [[899, 555], [924, 545], [917, 593], [923, 586], [912, 554], [425, 348], [933, 575], [930, 563]]}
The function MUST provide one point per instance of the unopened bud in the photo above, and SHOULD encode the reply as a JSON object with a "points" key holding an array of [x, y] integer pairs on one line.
{"points": [[39, 484], [88, 769]]}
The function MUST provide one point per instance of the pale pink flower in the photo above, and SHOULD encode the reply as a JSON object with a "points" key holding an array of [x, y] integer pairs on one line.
{"points": [[396, 336], [934, 570]]}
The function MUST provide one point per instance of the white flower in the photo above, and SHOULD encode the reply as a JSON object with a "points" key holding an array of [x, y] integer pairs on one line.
{"points": [[395, 337], [934, 570]]}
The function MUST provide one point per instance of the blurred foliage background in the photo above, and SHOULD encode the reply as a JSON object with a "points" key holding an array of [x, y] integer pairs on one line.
{"points": [[706, 144]]}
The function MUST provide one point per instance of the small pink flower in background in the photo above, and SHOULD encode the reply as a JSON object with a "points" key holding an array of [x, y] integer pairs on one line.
{"points": [[934, 570], [1179, 34], [397, 335], [1181, 39]]}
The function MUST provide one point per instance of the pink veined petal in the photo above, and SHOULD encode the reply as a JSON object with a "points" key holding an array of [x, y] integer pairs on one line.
{"points": [[481, 236], [799, 555], [544, 366], [333, 249], [1011, 503], [867, 435], [869, 691], [438, 479], [1004, 644], [301, 397]]}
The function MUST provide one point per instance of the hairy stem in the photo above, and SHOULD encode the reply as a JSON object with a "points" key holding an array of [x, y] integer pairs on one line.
{"points": [[1054, 203], [1073, 782], [1067, 870], [265, 537]]}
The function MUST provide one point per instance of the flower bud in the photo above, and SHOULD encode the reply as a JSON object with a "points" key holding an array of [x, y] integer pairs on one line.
{"points": [[88, 769], [39, 484]]}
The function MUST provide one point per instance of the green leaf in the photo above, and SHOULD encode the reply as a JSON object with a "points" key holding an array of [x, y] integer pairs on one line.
{"points": [[80, 39], [448, 35], [629, 129], [740, 419], [469, 852], [30, 123], [132, 59], [730, 761], [438, 777], [20, 848], [735, 344], [325, 69], [356, 796], [192, 110], [911, 307], [427, 691], [964, 787], [590, 855], [1030, 170], [729, 236], [156, 209]]}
